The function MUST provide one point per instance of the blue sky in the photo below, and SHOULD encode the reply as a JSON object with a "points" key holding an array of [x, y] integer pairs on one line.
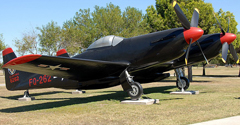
{"points": [[21, 16]]}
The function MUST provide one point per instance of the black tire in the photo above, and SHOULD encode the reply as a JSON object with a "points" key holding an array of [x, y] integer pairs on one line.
{"points": [[185, 82], [137, 91]]}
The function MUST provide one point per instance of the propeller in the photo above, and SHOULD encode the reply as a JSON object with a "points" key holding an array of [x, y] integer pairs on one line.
{"points": [[191, 31], [194, 23], [202, 52], [183, 19], [224, 51], [226, 40], [187, 54]]}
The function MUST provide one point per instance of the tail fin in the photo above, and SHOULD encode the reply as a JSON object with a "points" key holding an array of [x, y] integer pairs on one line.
{"points": [[11, 75], [19, 80], [15, 80], [63, 53]]}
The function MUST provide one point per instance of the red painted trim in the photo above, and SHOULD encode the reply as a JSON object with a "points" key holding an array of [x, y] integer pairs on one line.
{"points": [[7, 51], [22, 59], [61, 51], [228, 37], [194, 33]]}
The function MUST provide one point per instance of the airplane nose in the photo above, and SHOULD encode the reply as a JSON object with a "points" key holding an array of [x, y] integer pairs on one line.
{"points": [[228, 37], [194, 33]]}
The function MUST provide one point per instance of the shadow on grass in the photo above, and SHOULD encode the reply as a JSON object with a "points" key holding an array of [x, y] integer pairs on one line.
{"points": [[217, 75], [163, 89], [35, 94], [192, 81], [118, 95], [237, 98]]}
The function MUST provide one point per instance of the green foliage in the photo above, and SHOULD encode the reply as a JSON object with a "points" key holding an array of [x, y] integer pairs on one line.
{"points": [[163, 17], [50, 40], [2, 44], [2, 47], [28, 44], [86, 26]]}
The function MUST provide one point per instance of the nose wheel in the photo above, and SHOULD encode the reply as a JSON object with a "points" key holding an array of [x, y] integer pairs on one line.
{"points": [[137, 91]]}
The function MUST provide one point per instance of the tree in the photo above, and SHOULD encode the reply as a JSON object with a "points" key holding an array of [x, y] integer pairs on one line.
{"points": [[28, 44], [50, 40], [70, 38], [163, 17], [86, 26], [2, 45]]}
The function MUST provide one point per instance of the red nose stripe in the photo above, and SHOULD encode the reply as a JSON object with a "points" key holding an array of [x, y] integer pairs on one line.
{"points": [[194, 33], [7, 51], [61, 51], [228, 37]]}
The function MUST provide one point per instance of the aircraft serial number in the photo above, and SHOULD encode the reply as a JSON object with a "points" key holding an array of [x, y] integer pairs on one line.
{"points": [[40, 80]]}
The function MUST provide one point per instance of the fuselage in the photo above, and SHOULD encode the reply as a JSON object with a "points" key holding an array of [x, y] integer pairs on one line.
{"points": [[142, 51], [210, 44]]}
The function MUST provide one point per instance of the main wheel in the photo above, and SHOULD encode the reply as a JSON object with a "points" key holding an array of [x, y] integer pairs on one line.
{"points": [[137, 91], [185, 83]]}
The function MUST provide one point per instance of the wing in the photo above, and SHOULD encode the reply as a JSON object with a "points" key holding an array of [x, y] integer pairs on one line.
{"points": [[70, 68]]}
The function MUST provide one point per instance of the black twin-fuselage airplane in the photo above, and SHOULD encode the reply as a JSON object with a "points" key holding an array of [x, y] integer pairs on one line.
{"points": [[106, 63]]}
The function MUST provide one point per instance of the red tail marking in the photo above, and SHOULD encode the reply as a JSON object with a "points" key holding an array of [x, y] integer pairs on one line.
{"points": [[7, 51], [61, 51]]}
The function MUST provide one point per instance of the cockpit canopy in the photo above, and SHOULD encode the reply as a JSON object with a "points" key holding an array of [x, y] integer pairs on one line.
{"points": [[106, 41]]}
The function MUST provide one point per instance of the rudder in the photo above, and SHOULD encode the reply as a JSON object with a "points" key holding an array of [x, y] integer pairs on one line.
{"points": [[11, 75]]}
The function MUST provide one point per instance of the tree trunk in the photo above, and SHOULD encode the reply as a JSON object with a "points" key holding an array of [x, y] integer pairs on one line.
{"points": [[204, 69], [239, 72], [190, 73]]}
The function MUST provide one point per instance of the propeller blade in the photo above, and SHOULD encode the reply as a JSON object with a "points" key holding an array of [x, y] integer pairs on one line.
{"points": [[223, 32], [202, 51], [234, 53], [224, 51], [187, 54], [228, 24], [195, 18], [183, 19]]}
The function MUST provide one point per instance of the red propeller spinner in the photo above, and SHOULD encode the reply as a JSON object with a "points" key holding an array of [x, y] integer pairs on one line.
{"points": [[193, 33], [228, 37]]}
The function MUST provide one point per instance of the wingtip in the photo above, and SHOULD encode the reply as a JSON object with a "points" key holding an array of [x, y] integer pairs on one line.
{"points": [[174, 3], [21, 60]]}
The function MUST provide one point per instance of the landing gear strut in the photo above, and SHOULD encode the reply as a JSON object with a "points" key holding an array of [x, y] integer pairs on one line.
{"points": [[26, 97], [137, 89], [182, 82], [26, 94]]}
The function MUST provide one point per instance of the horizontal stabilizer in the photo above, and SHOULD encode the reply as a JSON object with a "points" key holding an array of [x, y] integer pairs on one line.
{"points": [[65, 67]]}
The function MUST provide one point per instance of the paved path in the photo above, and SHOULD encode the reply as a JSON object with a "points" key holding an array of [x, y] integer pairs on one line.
{"points": [[226, 121]]}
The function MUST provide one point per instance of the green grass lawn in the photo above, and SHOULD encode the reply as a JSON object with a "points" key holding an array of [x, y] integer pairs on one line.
{"points": [[219, 98]]}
